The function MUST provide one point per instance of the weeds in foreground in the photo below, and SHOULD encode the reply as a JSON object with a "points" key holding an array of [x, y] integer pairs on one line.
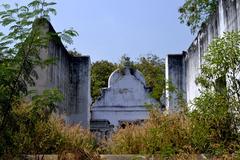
{"points": [[179, 136], [163, 135]]}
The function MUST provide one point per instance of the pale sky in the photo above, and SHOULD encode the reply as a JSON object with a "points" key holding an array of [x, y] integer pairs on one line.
{"points": [[110, 28]]}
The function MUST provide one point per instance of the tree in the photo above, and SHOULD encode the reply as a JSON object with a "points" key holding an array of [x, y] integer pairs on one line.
{"points": [[195, 12], [221, 66], [125, 61], [217, 109], [151, 66], [153, 69], [19, 55], [100, 73]]}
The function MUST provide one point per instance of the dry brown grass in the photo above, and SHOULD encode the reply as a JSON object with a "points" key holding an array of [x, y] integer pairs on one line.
{"points": [[74, 136], [163, 135]]}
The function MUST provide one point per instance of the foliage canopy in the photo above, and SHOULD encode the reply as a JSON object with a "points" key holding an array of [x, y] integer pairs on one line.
{"points": [[194, 12], [100, 72]]}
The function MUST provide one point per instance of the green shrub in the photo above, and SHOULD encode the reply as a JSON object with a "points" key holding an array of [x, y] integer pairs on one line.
{"points": [[39, 132], [212, 129]]}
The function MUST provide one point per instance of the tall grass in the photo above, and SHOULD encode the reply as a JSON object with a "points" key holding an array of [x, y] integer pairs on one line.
{"points": [[162, 135], [176, 136], [73, 136], [52, 136]]}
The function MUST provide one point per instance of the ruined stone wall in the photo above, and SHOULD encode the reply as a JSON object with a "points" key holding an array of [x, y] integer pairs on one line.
{"points": [[175, 71], [80, 90], [226, 18], [71, 75]]}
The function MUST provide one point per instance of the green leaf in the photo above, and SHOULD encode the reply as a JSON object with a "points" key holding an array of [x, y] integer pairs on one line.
{"points": [[1, 34], [49, 4], [26, 22], [35, 3], [7, 21], [52, 10], [71, 32], [24, 9], [5, 16]]}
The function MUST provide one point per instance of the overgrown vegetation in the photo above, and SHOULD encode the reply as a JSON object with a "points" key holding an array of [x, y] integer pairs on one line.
{"points": [[218, 106], [39, 132], [26, 123], [212, 125], [161, 135], [153, 69], [29, 126], [177, 136]]}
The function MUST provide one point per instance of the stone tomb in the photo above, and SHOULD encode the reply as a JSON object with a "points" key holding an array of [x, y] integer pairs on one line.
{"points": [[124, 100]]}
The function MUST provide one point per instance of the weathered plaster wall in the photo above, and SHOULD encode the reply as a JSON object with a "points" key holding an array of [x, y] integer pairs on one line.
{"points": [[124, 99], [80, 99], [175, 71], [71, 75], [116, 114], [125, 90], [226, 18]]}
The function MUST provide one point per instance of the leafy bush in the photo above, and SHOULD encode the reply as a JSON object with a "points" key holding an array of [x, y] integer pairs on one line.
{"points": [[21, 132], [37, 131], [21, 123], [53, 137], [216, 111]]}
